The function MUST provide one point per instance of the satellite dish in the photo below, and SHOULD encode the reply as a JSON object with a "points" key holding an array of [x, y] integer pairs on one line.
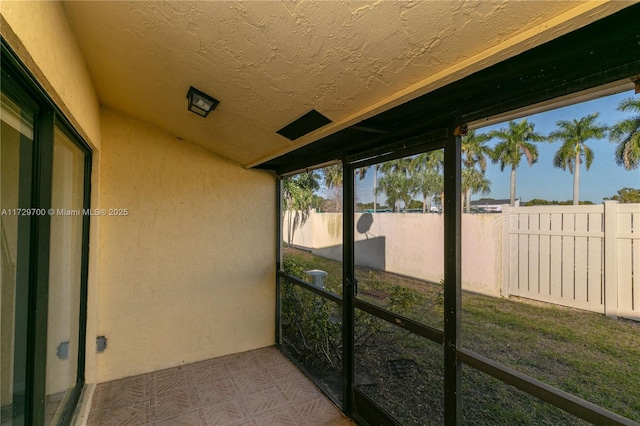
{"points": [[364, 223]]}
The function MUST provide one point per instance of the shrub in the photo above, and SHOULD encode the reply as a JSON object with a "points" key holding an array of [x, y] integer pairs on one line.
{"points": [[292, 267], [315, 326]]}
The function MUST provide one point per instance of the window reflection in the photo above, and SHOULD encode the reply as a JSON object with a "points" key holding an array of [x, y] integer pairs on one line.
{"points": [[15, 188], [65, 266]]}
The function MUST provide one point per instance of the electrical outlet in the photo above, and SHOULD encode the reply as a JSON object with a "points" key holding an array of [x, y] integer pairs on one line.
{"points": [[63, 350], [101, 343]]}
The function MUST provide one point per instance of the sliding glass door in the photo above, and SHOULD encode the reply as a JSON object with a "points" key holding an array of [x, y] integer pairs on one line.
{"points": [[16, 158], [44, 195], [65, 275]]}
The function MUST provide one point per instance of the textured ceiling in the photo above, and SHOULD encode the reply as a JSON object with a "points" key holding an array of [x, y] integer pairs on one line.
{"points": [[268, 63]]}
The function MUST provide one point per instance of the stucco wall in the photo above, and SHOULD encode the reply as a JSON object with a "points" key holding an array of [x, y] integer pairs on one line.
{"points": [[412, 244], [189, 273], [39, 32]]}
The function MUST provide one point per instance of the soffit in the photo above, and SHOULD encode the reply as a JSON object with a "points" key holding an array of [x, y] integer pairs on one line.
{"points": [[597, 60], [268, 63]]}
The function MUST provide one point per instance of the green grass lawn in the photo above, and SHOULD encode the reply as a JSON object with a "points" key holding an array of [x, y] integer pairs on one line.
{"points": [[594, 357]]}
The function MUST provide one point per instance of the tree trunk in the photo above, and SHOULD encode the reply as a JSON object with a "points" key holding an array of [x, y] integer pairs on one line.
{"points": [[576, 180], [337, 198], [512, 198], [296, 220], [424, 204], [282, 218], [468, 200], [375, 188]]}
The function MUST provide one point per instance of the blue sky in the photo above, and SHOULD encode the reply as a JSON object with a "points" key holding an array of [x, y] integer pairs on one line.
{"points": [[542, 180]]}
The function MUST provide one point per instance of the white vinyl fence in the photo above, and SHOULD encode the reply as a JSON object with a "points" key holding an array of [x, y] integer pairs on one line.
{"points": [[586, 257], [626, 245], [555, 255]]}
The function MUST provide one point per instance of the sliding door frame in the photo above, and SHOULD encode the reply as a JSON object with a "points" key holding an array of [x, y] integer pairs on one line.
{"points": [[17, 78]]}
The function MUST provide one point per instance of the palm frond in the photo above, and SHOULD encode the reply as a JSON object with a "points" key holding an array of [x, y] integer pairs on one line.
{"points": [[627, 134]]}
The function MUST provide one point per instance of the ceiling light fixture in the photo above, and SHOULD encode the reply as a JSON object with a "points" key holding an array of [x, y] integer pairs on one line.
{"points": [[201, 103]]}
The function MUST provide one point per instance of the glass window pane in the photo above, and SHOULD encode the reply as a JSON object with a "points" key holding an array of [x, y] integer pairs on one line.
{"points": [[65, 267], [15, 193]]}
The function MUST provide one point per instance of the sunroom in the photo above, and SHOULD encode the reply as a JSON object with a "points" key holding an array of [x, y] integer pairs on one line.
{"points": [[152, 256]]}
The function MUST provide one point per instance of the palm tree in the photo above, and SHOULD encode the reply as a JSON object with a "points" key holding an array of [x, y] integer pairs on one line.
{"points": [[574, 135], [298, 198], [400, 165], [428, 183], [428, 178], [626, 134], [515, 141], [473, 181], [332, 176], [389, 186], [432, 160], [397, 187], [396, 182], [474, 150]]}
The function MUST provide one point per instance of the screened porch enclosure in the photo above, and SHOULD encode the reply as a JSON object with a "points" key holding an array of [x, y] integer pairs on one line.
{"points": [[156, 264], [390, 348], [376, 344]]}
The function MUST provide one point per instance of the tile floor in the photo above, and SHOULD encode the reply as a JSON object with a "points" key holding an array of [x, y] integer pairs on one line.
{"points": [[260, 387]]}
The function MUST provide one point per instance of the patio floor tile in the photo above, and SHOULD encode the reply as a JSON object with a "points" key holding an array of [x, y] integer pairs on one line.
{"points": [[260, 387]]}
